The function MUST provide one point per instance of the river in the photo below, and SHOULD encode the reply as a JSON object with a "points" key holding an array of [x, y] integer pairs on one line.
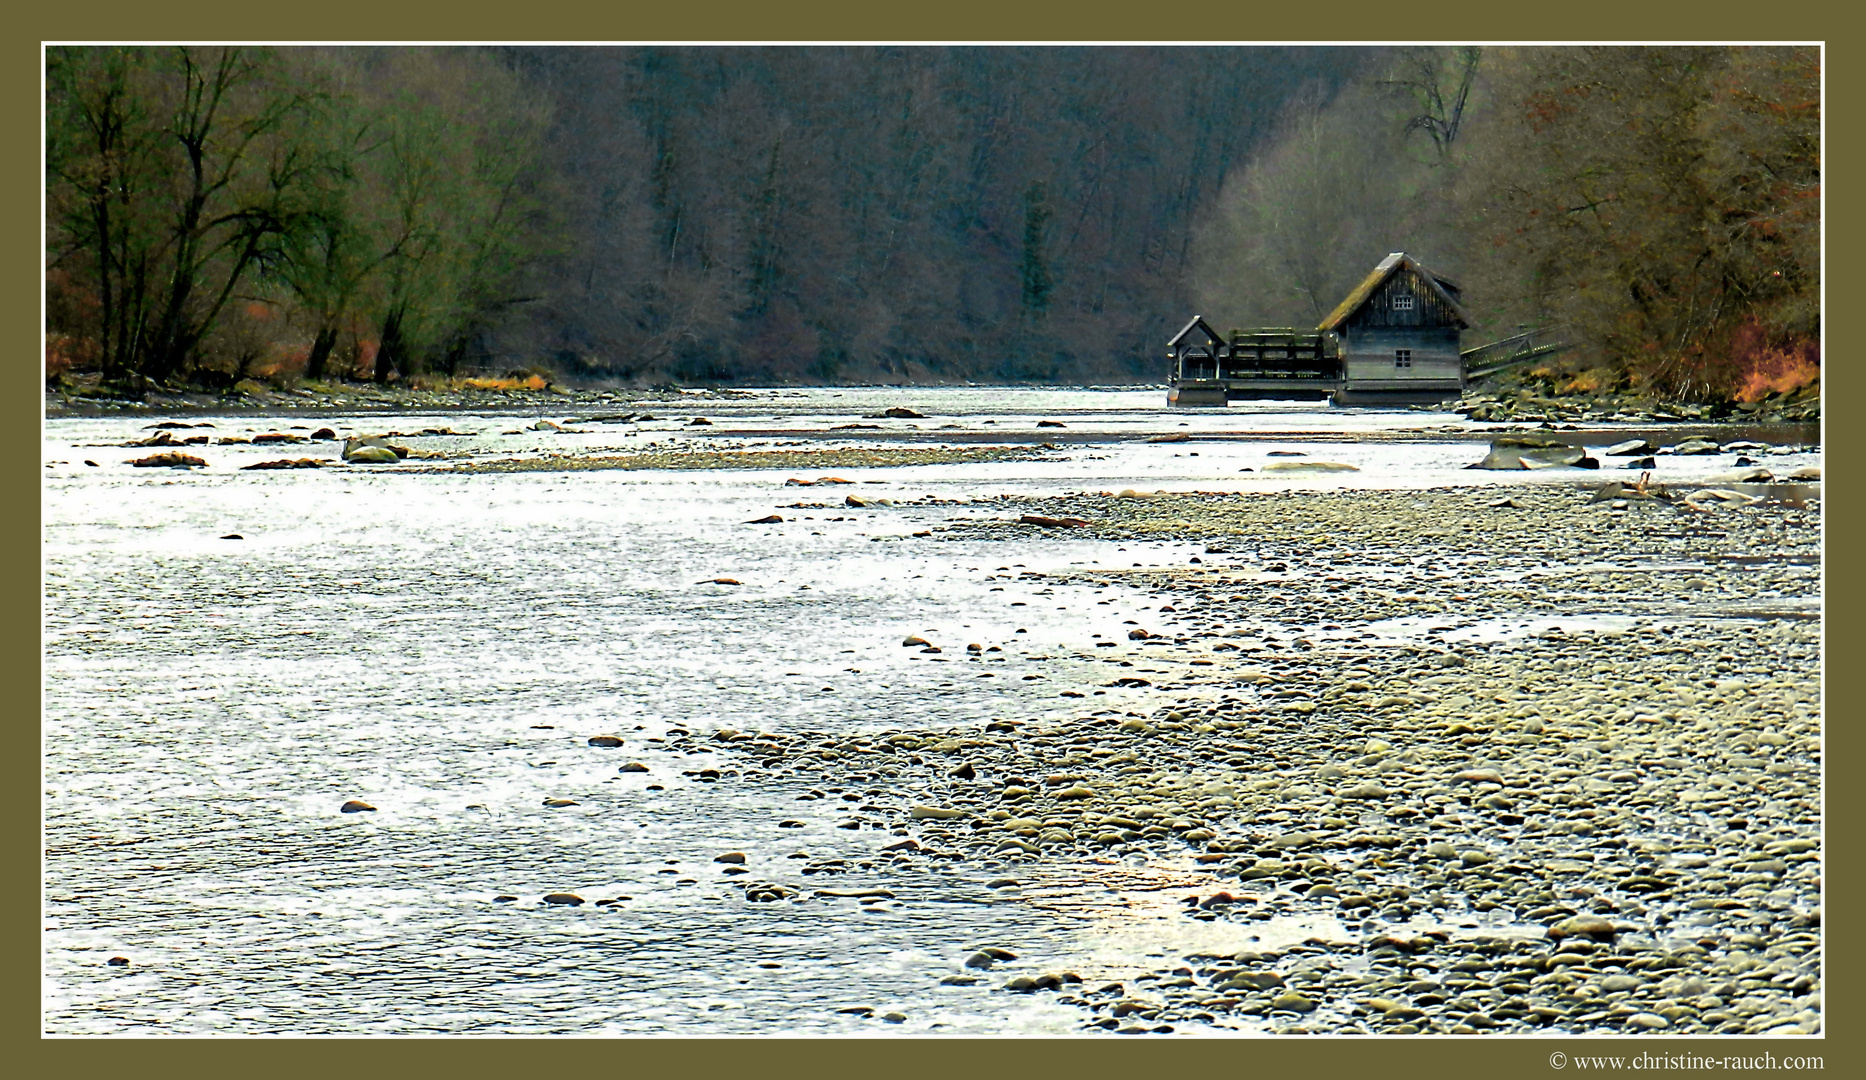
{"points": [[442, 646]]}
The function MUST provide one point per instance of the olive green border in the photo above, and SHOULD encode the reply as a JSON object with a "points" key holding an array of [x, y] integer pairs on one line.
{"points": [[585, 20]]}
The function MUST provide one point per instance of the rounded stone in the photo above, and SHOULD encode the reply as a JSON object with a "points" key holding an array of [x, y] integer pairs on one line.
{"points": [[354, 806], [1593, 926]]}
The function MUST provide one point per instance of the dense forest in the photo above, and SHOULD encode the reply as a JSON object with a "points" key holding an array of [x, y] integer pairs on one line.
{"points": [[844, 214]]}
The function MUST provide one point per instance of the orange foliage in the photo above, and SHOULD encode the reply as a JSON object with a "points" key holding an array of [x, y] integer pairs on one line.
{"points": [[63, 352], [1773, 367], [283, 361], [1591, 381], [365, 359], [535, 382]]}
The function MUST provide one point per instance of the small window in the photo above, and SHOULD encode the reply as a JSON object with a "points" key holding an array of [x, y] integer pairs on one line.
{"points": [[1402, 302], [1402, 358]]}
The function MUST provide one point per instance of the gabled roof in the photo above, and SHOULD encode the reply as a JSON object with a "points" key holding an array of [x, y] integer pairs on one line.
{"points": [[1197, 321], [1388, 266]]}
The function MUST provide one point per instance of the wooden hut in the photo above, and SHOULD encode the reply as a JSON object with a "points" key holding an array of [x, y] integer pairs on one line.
{"points": [[1194, 352], [1399, 336]]}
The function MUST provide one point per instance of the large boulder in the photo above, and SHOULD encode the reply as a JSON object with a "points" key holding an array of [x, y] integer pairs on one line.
{"points": [[369, 449], [1530, 452]]}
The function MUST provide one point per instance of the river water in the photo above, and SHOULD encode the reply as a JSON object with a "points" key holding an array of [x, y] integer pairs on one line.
{"points": [[442, 646]]}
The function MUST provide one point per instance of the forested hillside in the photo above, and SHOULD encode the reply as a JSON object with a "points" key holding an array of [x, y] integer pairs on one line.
{"points": [[826, 214]]}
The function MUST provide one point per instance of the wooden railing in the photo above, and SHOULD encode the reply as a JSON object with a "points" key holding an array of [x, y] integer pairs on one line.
{"points": [[1521, 348]]}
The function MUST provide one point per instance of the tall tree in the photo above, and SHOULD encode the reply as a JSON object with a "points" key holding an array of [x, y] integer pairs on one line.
{"points": [[171, 169], [1662, 200]]}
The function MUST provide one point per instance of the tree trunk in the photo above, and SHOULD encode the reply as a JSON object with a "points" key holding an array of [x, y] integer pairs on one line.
{"points": [[455, 353], [320, 353], [389, 350]]}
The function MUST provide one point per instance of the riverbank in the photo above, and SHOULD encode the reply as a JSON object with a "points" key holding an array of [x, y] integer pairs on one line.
{"points": [[1517, 400], [329, 399], [1539, 395], [1589, 802]]}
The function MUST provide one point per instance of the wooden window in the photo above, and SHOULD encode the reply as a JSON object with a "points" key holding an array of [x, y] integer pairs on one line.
{"points": [[1402, 302], [1402, 358]]}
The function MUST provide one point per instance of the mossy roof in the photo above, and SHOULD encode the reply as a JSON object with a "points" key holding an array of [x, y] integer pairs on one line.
{"points": [[1387, 268]]}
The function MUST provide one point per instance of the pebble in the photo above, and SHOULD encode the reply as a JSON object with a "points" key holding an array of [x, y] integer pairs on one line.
{"points": [[936, 813], [570, 899], [354, 806]]}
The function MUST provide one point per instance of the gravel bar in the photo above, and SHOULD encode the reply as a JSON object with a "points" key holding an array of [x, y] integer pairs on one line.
{"points": [[1533, 763]]}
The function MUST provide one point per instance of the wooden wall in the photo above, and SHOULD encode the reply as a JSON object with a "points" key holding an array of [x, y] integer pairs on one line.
{"points": [[1367, 355], [1428, 308]]}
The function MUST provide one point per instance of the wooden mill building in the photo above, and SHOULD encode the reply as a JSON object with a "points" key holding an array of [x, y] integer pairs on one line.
{"points": [[1399, 336], [1394, 340]]}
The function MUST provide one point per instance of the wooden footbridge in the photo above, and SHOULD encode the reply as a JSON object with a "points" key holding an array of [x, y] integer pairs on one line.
{"points": [[1525, 347]]}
